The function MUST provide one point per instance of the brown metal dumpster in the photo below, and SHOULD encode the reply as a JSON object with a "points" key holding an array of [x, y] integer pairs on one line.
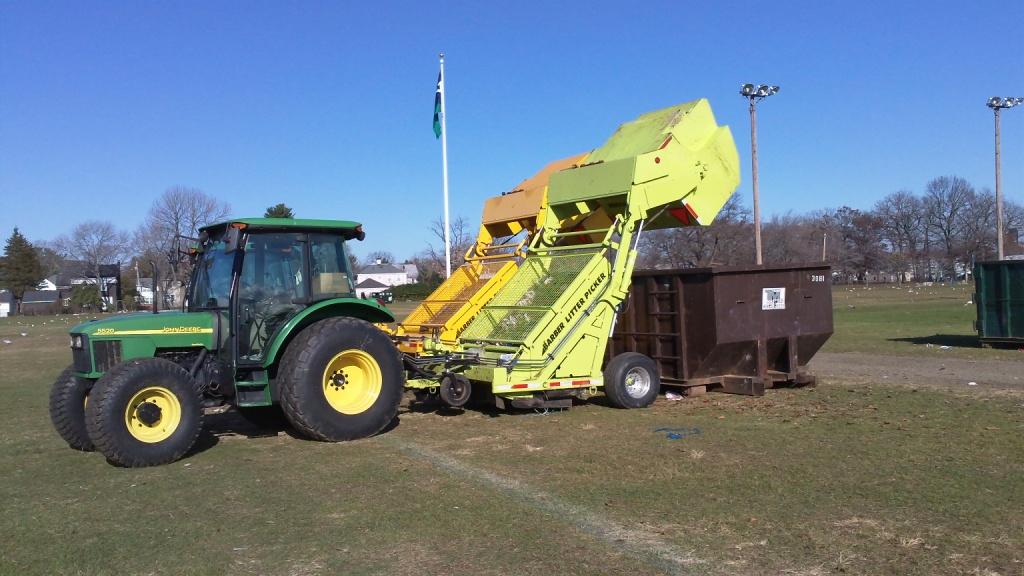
{"points": [[743, 329]]}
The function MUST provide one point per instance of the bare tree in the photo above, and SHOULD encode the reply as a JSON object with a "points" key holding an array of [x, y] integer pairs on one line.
{"points": [[978, 230], [855, 245], [1013, 215], [791, 238], [946, 201], [461, 237], [728, 240], [384, 256], [49, 257], [179, 211], [95, 242], [902, 219]]}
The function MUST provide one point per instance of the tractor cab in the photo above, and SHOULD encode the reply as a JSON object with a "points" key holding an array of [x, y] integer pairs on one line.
{"points": [[258, 277]]}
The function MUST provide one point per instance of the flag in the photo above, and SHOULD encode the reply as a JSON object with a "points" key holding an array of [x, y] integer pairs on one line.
{"points": [[437, 106]]}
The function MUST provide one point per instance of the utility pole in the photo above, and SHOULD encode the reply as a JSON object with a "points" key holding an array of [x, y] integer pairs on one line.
{"points": [[753, 94], [997, 104]]}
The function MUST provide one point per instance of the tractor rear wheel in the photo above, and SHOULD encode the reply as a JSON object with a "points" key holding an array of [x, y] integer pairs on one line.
{"points": [[631, 380], [341, 379], [144, 412], [68, 398]]}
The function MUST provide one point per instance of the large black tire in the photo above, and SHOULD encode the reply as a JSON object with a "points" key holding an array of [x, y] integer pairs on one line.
{"points": [[125, 426], [67, 409], [631, 380], [305, 384]]}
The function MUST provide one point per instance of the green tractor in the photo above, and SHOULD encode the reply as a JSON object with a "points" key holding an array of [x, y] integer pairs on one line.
{"points": [[270, 318]]}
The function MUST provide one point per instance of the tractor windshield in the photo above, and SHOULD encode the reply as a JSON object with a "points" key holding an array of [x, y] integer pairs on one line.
{"points": [[211, 280]]}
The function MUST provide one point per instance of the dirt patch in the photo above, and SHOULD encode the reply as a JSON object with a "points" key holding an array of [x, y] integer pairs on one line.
{"points": [[918, 371]]}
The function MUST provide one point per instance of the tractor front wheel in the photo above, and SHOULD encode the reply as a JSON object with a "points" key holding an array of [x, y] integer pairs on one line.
{"points": [[144, 412], [340, 379], [68, 398]]}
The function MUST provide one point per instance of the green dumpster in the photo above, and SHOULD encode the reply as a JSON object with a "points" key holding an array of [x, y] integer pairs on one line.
{"points": [[999, 296]]}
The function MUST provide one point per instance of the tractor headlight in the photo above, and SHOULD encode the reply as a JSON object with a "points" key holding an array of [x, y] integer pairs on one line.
{"points": [[76, 341]]}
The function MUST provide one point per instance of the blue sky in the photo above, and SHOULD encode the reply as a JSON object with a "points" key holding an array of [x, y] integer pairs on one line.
{"points": [[327, 106]]}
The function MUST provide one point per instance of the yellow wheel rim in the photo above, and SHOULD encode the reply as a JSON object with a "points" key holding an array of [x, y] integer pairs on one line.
{"points": [[352, 381], [153, 414]]}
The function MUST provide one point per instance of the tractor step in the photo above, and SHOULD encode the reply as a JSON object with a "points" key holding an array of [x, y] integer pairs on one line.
{"points": [[254, 391]]}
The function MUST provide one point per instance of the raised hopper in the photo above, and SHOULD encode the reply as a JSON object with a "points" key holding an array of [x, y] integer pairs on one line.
{"points": [[506, 227]]}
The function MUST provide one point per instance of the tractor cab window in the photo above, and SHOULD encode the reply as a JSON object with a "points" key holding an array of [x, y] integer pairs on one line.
{"points": [[211, 284], [272, 289], [330, 270]]}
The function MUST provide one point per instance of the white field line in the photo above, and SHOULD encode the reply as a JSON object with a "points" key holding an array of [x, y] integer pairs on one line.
{"points": [[642, 545]]}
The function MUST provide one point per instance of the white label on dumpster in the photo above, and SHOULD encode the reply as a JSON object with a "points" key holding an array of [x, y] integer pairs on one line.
{"points": [[773, 299]]}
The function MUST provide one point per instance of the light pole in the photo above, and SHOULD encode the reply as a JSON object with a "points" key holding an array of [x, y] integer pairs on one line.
{"points": [[755, 93], [996, 104]]}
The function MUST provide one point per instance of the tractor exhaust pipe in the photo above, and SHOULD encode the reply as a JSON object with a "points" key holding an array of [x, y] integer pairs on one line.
{"points": [[156, 290]]}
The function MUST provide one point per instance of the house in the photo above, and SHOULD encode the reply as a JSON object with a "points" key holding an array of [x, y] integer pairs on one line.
{"points": [[411, 272], [367, 288], [7, 305], [40, 302], [384, 273], [74, 272], [145, 290]]}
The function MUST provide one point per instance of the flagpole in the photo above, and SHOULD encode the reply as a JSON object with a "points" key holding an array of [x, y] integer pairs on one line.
{"points": [[444, 163]]}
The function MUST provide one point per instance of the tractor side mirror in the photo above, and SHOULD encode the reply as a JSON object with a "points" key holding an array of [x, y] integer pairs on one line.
{"points": [[356, 233], [232, 239]]}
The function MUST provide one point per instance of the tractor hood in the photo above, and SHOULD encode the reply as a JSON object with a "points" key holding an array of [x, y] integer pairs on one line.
{"points": [[98, 345], [148, 324]]}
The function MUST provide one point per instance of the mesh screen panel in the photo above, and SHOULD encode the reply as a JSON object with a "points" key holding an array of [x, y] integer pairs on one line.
{"points": [[522, 303], [464, 282]]}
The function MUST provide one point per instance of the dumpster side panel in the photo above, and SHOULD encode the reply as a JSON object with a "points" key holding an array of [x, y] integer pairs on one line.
{"points": [[701, 325], [653, 323], [999, 297]]}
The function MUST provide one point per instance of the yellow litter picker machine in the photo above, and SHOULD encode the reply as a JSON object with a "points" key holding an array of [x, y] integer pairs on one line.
{"points": [[508, 224], [540, 341]]}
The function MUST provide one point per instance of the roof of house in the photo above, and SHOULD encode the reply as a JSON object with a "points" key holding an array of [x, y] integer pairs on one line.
{"points": [[40, 297], [381, 269], [75, 269], [370, 283]]}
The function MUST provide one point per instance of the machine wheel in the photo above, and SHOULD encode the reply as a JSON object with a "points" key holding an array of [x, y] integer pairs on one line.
{"points": [[341, 379], [455, 390], [68, 398], [631, 380], [144, 412]]}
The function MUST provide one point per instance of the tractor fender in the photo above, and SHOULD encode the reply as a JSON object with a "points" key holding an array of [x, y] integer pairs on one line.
{"points": [[368, 310]]}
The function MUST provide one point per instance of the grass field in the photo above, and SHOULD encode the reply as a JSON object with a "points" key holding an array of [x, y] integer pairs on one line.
{"points": [[909, 320], [845, 478]]}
